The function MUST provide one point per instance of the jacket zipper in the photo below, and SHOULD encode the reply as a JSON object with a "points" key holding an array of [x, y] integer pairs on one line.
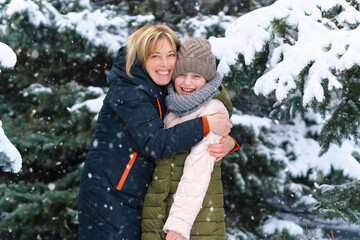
{"points": [[126, 171], [158, 102]]}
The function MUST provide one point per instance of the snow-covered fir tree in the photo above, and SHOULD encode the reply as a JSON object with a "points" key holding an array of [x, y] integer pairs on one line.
{"points": [[312, 59], [292, 90], [308, 56]]}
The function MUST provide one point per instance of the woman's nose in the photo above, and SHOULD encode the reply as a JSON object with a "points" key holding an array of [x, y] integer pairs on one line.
{"points": [[164, 62]]}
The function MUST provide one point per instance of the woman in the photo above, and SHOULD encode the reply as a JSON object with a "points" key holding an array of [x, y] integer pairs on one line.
{"points": [[129, 134]]}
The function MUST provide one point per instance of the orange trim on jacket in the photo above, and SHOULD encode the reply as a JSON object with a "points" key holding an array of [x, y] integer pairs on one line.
{"points": [[206, 127], [237, 146], [159, 108], [126, 171]]}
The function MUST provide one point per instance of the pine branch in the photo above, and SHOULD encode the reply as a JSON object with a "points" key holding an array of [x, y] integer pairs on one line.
{"points": [[5, 162], [340, 202]]}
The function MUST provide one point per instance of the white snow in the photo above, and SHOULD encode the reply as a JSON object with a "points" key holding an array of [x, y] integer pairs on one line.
{"points": [[305, 148], [318, 40], [93, 24], [11, 152], [253, 122], [95, 90], [7, 56], [274, 225], [306, 200], [37, 88], [36, 16], [93, 105], [330, 46], [201, 23], [8, 59]]}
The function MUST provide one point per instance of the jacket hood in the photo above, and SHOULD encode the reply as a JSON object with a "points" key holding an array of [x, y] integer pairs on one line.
{"points": [[141, 77]]}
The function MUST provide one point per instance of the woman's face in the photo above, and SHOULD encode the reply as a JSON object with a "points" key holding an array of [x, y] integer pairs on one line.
{"points": [[189, 82], [160, 64]]}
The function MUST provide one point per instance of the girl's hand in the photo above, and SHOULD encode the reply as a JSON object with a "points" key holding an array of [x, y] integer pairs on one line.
{"points": [[219, 124], [172, 235], [221, 149]]}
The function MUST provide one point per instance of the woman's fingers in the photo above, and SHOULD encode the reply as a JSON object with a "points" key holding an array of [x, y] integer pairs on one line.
{"points": [[219, 124], [221, 149]]}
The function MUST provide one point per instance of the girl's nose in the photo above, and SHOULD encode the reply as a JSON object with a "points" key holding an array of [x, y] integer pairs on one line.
{"points": [[187, 80]]}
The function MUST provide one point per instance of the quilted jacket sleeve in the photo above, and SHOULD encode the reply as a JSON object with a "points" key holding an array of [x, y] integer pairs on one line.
{"points": [[194, 181], [140, 118]]}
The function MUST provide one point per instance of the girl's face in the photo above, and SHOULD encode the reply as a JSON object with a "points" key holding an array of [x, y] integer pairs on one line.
{"points": [[189, 82], [160, 63]]}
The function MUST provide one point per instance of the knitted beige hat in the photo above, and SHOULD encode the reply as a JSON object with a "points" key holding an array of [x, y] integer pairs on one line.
{"points": [[195, 56]]}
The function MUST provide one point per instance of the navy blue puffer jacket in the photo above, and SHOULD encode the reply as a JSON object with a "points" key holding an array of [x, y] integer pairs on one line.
{"points": [[129, 134]]}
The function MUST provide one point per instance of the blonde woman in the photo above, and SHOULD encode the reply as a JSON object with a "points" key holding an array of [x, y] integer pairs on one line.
{"points": [[130, 133]]}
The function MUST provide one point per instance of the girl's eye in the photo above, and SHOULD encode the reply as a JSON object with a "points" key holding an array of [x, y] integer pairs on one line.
{"points": [[172, 55], [154, 56]]}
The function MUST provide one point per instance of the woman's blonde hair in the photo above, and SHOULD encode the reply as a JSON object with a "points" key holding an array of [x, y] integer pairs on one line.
{"points": [[143, 41]]}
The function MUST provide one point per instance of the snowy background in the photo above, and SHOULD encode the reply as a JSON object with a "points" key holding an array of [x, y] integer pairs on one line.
{"points": [[10, 158], [325, 47]]}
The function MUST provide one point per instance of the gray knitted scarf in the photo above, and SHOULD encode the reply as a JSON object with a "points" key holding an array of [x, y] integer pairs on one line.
{"points": [[183, 105]]}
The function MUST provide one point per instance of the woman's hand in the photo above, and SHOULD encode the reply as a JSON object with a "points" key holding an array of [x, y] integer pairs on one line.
{"points": [[219, 124], [221, 149], [172, 235]]}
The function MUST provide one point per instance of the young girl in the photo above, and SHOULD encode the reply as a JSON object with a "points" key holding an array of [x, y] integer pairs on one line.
{"points": [[196, 210]]}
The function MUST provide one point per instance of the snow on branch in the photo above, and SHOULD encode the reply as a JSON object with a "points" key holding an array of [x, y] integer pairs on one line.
{"points": [[7, 56], [10, 158], [326, 45], [102, 27]]}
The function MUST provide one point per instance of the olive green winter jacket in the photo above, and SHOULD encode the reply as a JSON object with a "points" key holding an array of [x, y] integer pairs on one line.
{"points": [[210, 221]]}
